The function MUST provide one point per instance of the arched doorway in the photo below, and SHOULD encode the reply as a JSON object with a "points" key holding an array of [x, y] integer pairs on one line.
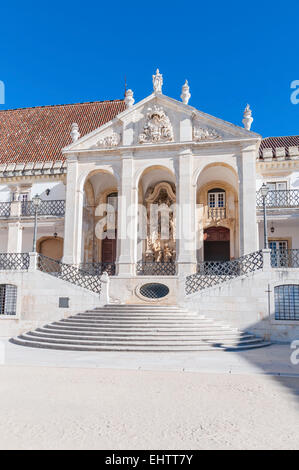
{"points": [[52, 247], [109, 243], [217, 244]]}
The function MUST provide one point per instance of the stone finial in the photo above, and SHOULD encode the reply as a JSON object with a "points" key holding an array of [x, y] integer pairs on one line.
{"points": [[129, 99], [186, 95], [157, 82], [247, 118], [75, 134]]}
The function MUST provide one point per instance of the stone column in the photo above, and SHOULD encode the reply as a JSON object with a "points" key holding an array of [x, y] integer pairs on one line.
{"points": [[247, 199], [73, 214], [14, 241], [185, 215], [127, 219]]}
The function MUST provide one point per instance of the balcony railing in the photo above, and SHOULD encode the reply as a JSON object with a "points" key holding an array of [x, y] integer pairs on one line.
{"points": [[96, 269], [216, 213], [144, 268], [5, 209], [285, 258], [279, 198], [54, 208]]}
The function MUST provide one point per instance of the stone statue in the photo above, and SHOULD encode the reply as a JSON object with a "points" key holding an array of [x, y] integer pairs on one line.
{"points": [[75, 134], [186, 95], [157, 82], [247, 118], [129, 99]]}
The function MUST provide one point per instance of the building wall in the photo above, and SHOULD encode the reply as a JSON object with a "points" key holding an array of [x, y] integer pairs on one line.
{"points": [[38, 301], [247, 303]]}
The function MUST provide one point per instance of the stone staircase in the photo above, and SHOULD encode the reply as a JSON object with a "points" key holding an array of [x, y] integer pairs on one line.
{"points": [[138, 328]]}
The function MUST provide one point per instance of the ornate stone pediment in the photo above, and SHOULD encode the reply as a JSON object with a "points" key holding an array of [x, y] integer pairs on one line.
{"points": [[157, 127], [109, 141], [199, 134]]}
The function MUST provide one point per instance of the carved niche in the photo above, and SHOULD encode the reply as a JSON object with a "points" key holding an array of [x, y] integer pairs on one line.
{"points": [[158, 247], [157, 127]]}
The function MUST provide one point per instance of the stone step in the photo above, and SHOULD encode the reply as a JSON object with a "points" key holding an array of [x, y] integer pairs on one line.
{"points": [[140, 321], [118, 328], [135, 342], [140, 316], [184, 348], [147, 337], [141, 333]]}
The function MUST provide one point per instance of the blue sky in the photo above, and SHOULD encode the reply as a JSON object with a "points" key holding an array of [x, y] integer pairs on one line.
{"points": [[231, 53]]}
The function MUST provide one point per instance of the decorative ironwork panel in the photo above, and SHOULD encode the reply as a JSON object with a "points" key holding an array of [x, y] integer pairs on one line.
{"points": [[279, 198], [287, 302], [8, 299], [155, 269], [216, 213], [70, 273], [212, 273], [54, 208], [5, 209], [154, 290], [14, 261], [96, 269], [285, 258]]}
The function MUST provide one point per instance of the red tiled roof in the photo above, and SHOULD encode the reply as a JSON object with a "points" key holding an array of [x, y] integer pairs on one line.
{"points": [[274, 142], [38, 134]]}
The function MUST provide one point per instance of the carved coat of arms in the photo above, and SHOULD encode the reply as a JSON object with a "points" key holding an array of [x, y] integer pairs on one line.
{"points": [[157, 128]]}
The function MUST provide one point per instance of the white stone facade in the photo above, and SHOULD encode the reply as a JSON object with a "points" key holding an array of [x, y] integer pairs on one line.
{"points": [[208, 168]]}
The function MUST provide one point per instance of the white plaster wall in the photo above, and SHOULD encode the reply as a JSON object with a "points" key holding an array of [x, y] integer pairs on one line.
{"points": [[3, 239], [5, 194], [57, 190], [38, 300], [284, 229]]}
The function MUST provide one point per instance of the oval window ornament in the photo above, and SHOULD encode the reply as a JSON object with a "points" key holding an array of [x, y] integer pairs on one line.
{"points": [[154, 290]]}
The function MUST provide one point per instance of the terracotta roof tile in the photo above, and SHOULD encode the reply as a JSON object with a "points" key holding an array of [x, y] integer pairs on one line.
{"points": [[39, 134], [275, 142]]}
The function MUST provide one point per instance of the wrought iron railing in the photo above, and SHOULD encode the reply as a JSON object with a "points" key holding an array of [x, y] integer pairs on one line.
{"points": [[212, 273], [216, 213], [5, 209], [285, 258], [70, 273], [96, 269], [279, 198], [144, 268], [14, 261], [53, 208]]}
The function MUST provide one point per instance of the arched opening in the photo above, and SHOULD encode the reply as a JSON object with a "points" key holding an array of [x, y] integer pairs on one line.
{"points": [[52, 247], [217, 198], [109, 243], [216, 244], [156, 243], [99, 227]]}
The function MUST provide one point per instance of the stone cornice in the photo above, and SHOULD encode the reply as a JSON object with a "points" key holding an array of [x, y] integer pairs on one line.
{"points": [[17, 171], [277, 165]]}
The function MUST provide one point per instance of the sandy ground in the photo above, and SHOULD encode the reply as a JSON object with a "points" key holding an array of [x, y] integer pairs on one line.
{"points": [[83, 408]]}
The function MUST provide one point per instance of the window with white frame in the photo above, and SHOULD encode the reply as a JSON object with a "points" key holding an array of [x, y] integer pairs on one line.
{"points": [[216, 198], [279, 252], [8, 299]]}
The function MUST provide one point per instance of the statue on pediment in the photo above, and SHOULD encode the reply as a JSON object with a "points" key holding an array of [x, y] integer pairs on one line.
{"points": [[157, 82]]}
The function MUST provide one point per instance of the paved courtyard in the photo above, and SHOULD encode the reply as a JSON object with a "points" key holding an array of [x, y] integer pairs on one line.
{"points": [[65, 400]]}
